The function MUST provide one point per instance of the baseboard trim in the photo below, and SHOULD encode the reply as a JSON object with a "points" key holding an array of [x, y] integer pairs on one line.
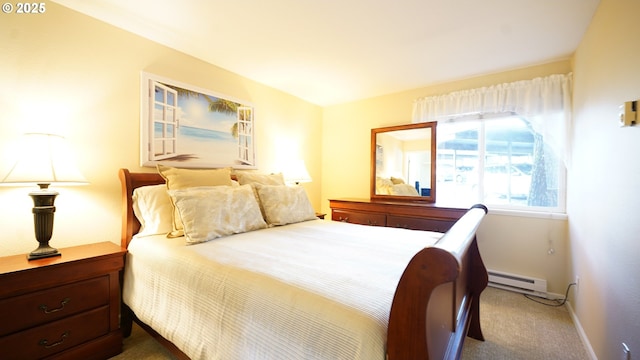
{"points": [[581, 333]]}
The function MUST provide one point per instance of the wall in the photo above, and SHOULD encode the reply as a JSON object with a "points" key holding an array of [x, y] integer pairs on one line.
{"points": [[78, 76], [508, 243], [65, 72], [603, 201]]}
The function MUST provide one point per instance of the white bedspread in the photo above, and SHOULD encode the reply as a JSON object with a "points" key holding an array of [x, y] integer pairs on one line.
{"points": [[311, 290]]}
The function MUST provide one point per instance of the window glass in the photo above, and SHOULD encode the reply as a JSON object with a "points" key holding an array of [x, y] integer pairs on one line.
{"points": [[501, 162]]}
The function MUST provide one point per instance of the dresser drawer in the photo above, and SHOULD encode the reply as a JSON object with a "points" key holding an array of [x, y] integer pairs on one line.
{"points": [[49, 339], [356, 217], [25, 311], [406, 222]]}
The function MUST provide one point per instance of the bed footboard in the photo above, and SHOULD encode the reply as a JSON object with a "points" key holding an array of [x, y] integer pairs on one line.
{"points": [[436, 304]]}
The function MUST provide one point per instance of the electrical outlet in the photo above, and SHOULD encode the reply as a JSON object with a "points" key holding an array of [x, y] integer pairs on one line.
{"points": [[626, 353], [577, 283]]}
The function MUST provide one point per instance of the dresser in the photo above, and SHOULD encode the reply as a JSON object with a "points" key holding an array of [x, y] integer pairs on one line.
{"points": [[416, 216], [65, 307]]}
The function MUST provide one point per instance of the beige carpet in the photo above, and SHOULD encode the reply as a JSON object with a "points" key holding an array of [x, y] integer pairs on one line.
{"points": [[141, 346], [514, 328]]}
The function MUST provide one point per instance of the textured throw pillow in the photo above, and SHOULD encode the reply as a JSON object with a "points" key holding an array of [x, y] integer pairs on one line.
{"points": [[177, 179], [403, 189], [152, 206], [383, 186], [257, 178], [285, 204], [212, 212]]}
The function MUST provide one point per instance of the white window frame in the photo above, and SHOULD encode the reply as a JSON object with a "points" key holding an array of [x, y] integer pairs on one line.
{"points": [[245, 135], [525, 210], [168, 118]]}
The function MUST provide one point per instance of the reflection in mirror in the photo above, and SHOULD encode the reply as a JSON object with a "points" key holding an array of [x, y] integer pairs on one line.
{"points": [[403, 162]]}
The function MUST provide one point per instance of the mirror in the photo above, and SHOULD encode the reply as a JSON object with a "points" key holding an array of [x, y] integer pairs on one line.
{"points": [[403, 162]]}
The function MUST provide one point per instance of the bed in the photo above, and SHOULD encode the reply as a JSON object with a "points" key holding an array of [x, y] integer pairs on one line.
{"points": [[312, 289]]}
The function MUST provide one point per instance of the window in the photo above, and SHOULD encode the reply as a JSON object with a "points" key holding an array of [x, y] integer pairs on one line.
{"points": [[500, 161], [504, 145]]}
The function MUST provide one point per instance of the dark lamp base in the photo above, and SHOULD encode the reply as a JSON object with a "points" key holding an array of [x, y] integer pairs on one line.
{"points": [[43, 210], [43, 251]]}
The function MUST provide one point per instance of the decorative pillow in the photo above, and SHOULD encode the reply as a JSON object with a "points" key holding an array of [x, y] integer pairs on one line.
{"points": [[212, 212], [185, 178], [177, 179], [403, 189], [285, 204], [396, 180], [257, 178], [152, 206], [383, 186]]}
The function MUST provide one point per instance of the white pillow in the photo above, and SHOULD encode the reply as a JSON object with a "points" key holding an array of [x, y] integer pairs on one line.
{"points": [[152, 206], [403, 189], [383, 186], [212, 212], [285, 204]]}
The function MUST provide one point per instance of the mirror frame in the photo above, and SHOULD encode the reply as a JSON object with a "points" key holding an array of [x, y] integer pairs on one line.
{"points": [[425, 199]]}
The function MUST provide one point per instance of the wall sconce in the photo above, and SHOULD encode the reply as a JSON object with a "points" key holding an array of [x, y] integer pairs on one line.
{"points": [[296, 172], [45, 159]]}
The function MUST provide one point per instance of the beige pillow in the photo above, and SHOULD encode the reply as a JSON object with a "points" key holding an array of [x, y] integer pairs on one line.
{"points": [[403, 189], [285, 204], [152, 206], [177, 179], [383, 186], [212, 212], [396, 180], [257, 178]]}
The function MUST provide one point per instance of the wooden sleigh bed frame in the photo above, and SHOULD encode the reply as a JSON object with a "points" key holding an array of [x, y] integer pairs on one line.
{"points": [[436, 303]]}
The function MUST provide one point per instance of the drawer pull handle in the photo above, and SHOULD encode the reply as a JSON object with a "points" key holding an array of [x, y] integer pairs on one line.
{"points": [[346, 219], [45, 342], [46, 310]]}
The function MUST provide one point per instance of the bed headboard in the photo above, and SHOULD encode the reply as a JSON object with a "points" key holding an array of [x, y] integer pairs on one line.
{"points": [[130, 181]]}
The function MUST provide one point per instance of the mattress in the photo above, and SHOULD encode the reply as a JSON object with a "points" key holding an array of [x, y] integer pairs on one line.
{"points": [[311, 290]]}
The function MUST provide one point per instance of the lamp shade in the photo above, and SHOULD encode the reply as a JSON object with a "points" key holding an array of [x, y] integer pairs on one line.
{"points": [[44, 159], [296, 172]]}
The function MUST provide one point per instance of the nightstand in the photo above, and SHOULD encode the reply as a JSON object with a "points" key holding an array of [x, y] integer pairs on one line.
{"points": [[65, 307]]}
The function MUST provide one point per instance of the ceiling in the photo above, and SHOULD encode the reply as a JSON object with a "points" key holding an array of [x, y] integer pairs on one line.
{"points": [[334, 51]]}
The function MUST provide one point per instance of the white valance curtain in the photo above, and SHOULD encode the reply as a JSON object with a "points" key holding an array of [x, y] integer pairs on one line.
{"points": [[545, 102]]}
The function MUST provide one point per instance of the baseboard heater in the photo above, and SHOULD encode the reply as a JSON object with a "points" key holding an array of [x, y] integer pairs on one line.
{"points": [[518, 283]]}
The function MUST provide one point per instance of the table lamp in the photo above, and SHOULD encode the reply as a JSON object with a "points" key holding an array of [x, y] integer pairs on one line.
{"points": [[45, 159], [296, 172]]}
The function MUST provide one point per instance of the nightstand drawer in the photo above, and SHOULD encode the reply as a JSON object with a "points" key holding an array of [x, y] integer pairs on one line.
{"points": [[57, 336], [25, 311]]}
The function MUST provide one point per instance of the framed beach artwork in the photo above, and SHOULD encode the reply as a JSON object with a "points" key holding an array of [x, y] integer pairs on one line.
{"points": [[185, 126]]}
